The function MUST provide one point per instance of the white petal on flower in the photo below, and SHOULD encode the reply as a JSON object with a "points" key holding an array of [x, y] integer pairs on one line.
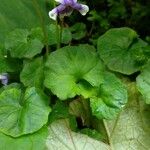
{"points": [[60, 1], [53, 14], [84, 9]]}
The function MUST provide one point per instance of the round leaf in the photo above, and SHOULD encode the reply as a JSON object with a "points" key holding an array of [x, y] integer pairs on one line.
{"points": [[112, 96], [118, 49], [22, 113], [67, 69]]}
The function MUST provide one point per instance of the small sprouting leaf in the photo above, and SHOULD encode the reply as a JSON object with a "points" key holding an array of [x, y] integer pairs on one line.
{"points": [[33, 73], [70, 69], [143, 83], [130, 130], [59, 111], [61, 137], [119, 47], [22, 113], [34, 141], [78, 31], [112, 96], [20, 45]]}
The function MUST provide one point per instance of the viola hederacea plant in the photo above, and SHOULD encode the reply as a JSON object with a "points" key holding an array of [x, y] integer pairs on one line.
{"points": [[74, 80]]}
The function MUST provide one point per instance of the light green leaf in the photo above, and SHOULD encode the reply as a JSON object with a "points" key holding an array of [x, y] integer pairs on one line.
{"points": [[61, 137], [70, 67], [143, 83], [118, 49], [34, 141], [111, 98], [21, 14], [22, 113], [131, 129], [54, 33], [33, 73], [19, 43]]}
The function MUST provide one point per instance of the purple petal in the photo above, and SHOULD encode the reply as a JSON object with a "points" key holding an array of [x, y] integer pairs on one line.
{"points": [[4, 78], [56, 11], [67, 2]]}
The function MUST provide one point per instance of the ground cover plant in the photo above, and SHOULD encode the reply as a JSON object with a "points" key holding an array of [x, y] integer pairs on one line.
{"points": [[75, 75]]}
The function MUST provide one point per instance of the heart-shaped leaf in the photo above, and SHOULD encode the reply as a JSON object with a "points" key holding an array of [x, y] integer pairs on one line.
{"points": [[20, 44], [118, 49], [22, 113], [72, 70]]}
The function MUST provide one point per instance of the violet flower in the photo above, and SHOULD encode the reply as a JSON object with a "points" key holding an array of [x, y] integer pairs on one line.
{"points": [[66, 7], [4, 78]]}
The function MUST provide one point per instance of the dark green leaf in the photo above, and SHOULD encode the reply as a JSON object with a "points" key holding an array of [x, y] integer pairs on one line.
{"points": [[118, 48]]}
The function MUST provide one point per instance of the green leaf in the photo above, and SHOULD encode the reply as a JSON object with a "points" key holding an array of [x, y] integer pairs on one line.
{"points": [[21, 14], [143, 83], [111, 98], [61, 137], [8, 64], [78, 31], [33, 73], [53, 35], [59, 111], [70, 67], [130, 130], [22, 113], [34, 141], [118, 49], [20, 45]]}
